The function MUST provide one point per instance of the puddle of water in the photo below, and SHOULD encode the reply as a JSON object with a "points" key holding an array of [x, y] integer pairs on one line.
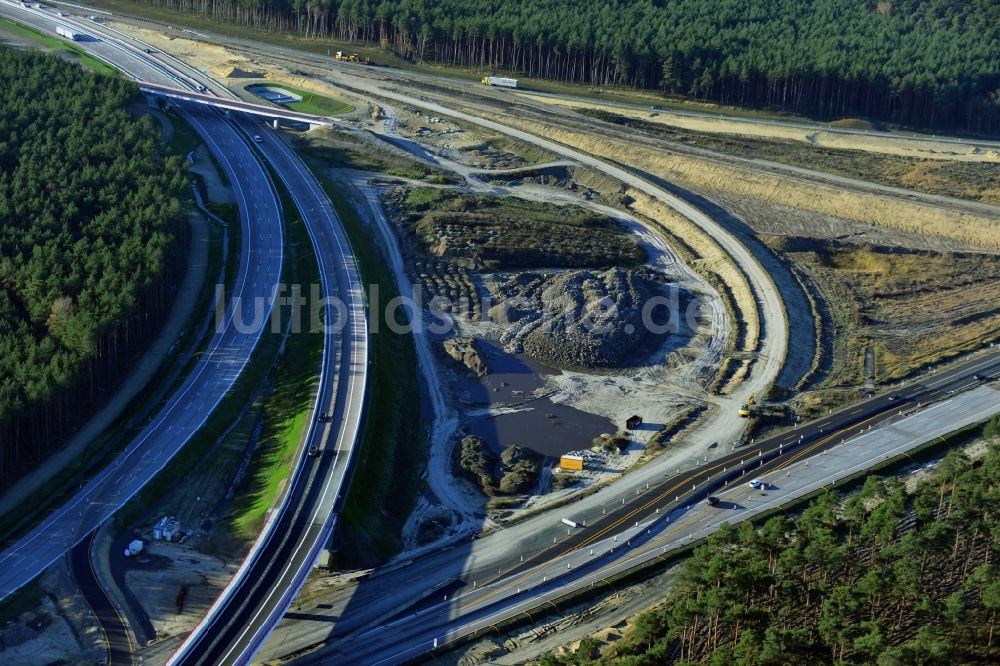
{"points": [[527, 417], [545, 427]]}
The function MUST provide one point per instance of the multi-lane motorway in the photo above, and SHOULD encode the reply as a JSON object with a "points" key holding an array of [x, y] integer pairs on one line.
{"points": [[225, 356], [362, 620], [283, 555], [480, 584], [542, 590], [265, 586]]}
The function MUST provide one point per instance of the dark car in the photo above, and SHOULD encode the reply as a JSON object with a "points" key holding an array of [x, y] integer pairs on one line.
{"points": [[894, 396], [980, 377], [712, 500], [313, 452], [324, 417]]}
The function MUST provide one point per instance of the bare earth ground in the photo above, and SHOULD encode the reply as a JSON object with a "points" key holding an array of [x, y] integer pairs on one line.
{"points": [[177, 566], [808, 210], [767, 203], [902, 145], [61, 629]]}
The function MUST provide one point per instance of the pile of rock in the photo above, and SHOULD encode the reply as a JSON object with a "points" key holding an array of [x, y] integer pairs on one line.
{"points": [[579, 318], [465, 352]]}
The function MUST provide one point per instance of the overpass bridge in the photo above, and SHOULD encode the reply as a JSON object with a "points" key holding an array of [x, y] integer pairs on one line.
{"points": [[235, 105]]}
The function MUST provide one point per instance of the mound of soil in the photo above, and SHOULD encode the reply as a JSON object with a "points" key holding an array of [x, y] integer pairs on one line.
{"points": [[573, 319]]}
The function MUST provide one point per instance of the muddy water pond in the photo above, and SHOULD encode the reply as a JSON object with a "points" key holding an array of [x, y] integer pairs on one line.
{"points": [[510, 406]]}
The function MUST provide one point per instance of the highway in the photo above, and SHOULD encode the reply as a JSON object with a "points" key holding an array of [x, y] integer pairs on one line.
{"points": [[248, 610], [649, 526], [393, 593], [281, 559], [215, 372], [271, 577], [474, 84]]}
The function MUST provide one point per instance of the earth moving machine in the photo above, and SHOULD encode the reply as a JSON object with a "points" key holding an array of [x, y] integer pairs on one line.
{"points": [[499, 81], [354, 57], [746, 409]]}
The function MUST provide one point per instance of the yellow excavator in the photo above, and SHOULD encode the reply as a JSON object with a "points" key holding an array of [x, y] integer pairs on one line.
{"points": [[354, 57], [746, 409]]}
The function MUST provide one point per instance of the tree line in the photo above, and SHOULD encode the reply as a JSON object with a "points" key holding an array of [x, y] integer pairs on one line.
{"points": [[882, 577], [920, 63], [90, 235]]}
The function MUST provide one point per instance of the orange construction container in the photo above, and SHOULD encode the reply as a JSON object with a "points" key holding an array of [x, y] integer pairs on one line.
{"points": [[571, 462]]}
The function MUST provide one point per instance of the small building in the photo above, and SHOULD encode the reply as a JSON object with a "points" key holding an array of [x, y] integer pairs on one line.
{"points": [[633, 422], [165, 528], [571, 462]]}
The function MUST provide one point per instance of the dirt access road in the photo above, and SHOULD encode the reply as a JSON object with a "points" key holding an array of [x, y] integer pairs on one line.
{"points": [[724, 425]]}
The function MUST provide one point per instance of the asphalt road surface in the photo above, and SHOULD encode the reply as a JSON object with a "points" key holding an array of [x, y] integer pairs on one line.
{"points": [[225, 356], [665, 519], [116, 634], [437, 78], [281, 559], [398, 590], [279, 563]]}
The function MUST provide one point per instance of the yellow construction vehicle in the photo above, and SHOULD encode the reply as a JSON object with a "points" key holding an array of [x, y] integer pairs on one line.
{"points": [[354, 57], [746, 409]]}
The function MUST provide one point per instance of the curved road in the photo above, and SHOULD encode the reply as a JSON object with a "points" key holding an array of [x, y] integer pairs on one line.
{"points": [[279, 563], [116, 634], [661, 519], [214, 374]]}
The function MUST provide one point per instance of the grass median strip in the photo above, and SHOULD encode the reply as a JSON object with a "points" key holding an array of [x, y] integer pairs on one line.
{"points": [[275, 391], [286, 408]]}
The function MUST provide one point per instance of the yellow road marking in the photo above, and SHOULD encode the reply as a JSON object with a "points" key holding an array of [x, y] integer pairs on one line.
{"points": [[586, 542]]}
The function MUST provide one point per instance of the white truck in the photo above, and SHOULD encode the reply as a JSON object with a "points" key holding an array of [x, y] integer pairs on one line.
{"points": [[73, 35], [134, 548], [499, 81]]}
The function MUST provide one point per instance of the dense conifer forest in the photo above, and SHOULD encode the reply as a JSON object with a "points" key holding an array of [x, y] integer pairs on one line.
{"points": [[881, 577], [921, 63], [89, 248]]}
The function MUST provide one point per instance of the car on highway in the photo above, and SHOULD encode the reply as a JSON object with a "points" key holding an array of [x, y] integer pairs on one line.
{"points": [[980, 377], [757, 484], [894, 397], [313, 452], [712, 500], [257, 139]]}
